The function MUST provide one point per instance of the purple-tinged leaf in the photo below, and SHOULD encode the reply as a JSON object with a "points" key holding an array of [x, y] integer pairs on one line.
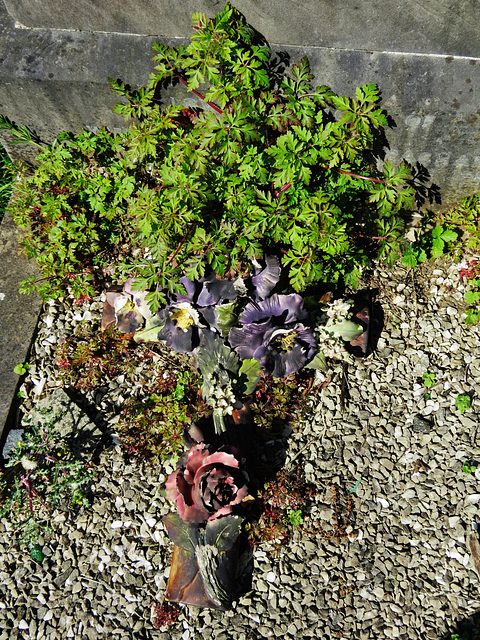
{"points": [[265, 280], [128, 318], [283, 309], [362, 340]]}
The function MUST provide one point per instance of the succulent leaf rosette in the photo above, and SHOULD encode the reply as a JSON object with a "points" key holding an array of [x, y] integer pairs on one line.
{"points": [[272, 333], [226, 379], [207, 485]]}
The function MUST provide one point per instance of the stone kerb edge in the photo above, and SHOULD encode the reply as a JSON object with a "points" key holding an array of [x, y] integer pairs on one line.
{"points": [[18, 320]]}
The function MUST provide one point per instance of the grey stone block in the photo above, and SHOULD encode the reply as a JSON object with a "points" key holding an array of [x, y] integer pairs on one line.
{"points": [[13, 436], [417, 26], [53, 80], [18, 315]]}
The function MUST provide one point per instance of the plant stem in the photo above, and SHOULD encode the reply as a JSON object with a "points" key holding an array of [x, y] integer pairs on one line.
{"points": [[182, 241], [199, 95], [347, 173]]}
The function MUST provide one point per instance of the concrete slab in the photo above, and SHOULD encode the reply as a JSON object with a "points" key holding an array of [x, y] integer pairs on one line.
{"points": [[417, 26], [18, 316], [71, 423]]}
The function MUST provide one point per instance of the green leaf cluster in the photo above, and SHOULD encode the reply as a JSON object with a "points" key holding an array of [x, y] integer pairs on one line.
{"points": [[472, 297], [429, 379], [267, 160], [465, 219], [463, 402], [6, 179], [151, 428], [432, 243], [467, 467]]}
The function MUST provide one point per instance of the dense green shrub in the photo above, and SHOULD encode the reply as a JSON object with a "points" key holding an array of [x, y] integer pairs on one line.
{"points": [[269, 164]]}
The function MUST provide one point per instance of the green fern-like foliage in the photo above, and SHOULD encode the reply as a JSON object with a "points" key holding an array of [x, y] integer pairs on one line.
{"points": [[268, 163]]}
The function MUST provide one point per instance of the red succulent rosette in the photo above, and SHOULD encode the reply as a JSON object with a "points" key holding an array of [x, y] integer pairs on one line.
{"points": [[207, 485]]}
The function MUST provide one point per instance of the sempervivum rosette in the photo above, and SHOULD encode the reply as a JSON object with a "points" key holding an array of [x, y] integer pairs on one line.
{"points": [[272, 334], [207, 485]]}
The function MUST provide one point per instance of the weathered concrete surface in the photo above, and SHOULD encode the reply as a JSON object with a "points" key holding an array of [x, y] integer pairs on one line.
{"points": [[53, 80], [418, 26], [18, 315]]}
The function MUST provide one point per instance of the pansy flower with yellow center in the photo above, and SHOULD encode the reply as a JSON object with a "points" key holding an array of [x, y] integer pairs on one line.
{"points": [[271, 333]]}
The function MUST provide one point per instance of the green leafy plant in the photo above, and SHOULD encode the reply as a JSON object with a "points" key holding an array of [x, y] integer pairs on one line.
{"points": [[87, 357], [472, 316], [151, 428], [470, 634], [471, 273], [6, 179], [283, 501], [275, 401], [463, 402], [21, 369], [469, 468], [429, 379], [41, 474], [440, 239], [263, 162], [20, 134], [295, 517], [473, 296], [432, 243], [464, 218]]}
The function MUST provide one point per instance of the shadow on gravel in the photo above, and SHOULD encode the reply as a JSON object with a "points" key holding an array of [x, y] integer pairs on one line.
{"points": [[466, 629]]}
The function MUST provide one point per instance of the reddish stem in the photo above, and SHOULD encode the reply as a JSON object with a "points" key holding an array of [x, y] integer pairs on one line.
{"points": [[355, 175], [30, 491], [210, 104], [285, 187], [39, 498], [347, 173], [181, 242]]}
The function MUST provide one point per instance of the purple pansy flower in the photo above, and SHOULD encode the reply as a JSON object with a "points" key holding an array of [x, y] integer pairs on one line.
{"points": [[272, 334]]}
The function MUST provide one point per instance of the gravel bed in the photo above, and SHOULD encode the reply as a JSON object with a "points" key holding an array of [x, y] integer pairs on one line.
{"points": [[405, 569]]}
